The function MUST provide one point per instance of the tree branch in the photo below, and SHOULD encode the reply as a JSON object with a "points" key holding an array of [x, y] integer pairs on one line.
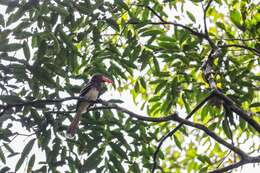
{"points": [[196, 33], [152, 10], [107, 105], [236, 165], [205, 25], [177, 128]]}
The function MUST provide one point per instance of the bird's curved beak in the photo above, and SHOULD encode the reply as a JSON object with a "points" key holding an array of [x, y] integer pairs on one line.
{"points": [[105, 79]]}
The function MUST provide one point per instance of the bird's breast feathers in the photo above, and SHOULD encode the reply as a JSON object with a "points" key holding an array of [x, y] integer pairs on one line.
{"points": [[92, 94]]}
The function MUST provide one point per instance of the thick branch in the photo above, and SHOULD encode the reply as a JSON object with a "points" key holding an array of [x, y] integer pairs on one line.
{"points": [[236, 165], [241, 153], [107, 105]]}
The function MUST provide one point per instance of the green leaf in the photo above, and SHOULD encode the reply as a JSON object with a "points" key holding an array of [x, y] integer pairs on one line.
{"points": [[226, 128], [187, 106], [256, 104], [60, 10], [177, 142], [10, 99], [2, 20], [235, 17], [135, 168], [156, 65], [122, 4], [15, 16], [191, 16], [221, 25], [8, 148], [117, 163], [31, 163], [93, 160], [117, 149], [111, 22], [43, 75], [204, 159], [10, 47], [26, 50], [2, 156], [25, 152], [152, 32], [143, 83], [111, 168], [5, 169]]}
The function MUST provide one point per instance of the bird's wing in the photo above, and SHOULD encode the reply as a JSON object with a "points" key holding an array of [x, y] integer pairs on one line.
{"points": [[83, 92], [85, 89]]}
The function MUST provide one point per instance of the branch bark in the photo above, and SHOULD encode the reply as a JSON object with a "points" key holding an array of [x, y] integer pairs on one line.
{"points": [[236, 165]]}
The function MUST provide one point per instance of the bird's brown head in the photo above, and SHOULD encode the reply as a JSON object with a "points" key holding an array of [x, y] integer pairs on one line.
{"points": [[98, 78]]}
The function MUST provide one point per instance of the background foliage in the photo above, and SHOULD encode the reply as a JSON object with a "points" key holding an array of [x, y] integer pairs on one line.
{"points": [[48, 48]]}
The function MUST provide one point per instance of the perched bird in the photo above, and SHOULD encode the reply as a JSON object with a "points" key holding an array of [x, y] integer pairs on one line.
{"points": [[90, 91]]}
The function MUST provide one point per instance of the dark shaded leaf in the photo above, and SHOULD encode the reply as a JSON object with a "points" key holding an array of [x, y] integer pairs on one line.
{"points": [[24, 154], [26, 50], [2, 156], [10, 99], [31, 163], [117, 149], [191, 16], [111, 22], [10, 47]]}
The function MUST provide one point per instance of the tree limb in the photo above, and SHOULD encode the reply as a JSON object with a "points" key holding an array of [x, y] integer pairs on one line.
{"points": [[236, 165], [205, 25]]}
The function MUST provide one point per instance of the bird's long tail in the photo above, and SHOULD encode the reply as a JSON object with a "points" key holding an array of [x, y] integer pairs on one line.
{"points": [[74, 125]]}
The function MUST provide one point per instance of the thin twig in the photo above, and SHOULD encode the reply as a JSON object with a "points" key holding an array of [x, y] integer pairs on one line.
{"points": [[152, 10]]}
